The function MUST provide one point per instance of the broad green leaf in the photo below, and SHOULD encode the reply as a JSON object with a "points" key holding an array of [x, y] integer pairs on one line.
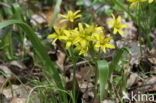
{"points": [[103, 69]]}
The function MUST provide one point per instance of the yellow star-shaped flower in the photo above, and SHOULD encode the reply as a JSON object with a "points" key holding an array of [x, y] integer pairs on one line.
{"points": [[58, 34], [71, 36], [150, 1], [83, 49], [83, 37], [117, 25], [102, 42], [136, 2], [71, 16]]}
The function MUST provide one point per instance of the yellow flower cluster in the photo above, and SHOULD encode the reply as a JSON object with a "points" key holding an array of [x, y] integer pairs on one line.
{"points": [[137, 2], [82, 37]]}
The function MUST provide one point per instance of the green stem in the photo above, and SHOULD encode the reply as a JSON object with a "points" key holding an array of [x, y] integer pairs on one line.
{"points": [[143, 28], [74, 60], [74, 81], [123, 8]]}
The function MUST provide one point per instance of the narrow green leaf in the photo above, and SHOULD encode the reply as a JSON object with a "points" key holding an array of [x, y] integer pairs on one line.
{"points": [[116, 59], [121, 5], [39, 49], [9, 45], [55, 13], [17, 11], [103, 76]]}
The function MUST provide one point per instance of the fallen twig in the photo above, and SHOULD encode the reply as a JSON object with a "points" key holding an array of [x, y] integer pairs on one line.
{"points": [[77, 64]]}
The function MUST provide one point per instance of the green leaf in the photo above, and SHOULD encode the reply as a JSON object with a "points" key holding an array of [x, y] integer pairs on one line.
{"points": [[116, 59], [17, 11], [40, 51], [99, 1], [80, 2], [103, 76], [121, 5], [8, 44], [55, 13]]}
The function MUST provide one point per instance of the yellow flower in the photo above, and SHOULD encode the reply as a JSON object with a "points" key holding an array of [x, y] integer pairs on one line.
{"points": [[83, 49], [83, 37], [117, 25], [91, 29], [150, 1], [71, 36], [71, 16], [136, 2], [59, 34], [102, 42]]}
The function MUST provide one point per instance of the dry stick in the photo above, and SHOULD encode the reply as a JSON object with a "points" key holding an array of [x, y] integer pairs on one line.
{"points": [[139, 87], [77, 64], [67, 67]]}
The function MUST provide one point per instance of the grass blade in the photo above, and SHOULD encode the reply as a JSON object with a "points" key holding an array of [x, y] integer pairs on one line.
{"points": [[39, 49], [119, 3], [7, 42], [116, 59], [55, 13], [17, 11]]}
